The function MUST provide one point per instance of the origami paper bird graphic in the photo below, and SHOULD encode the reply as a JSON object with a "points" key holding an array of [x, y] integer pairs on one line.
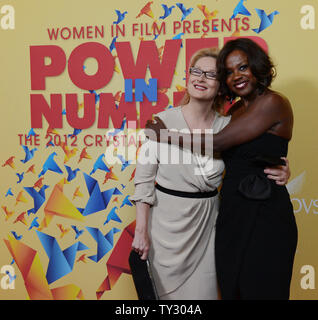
{"points": [[31, 169], [29, 154], [59, 205], [50, 165], [117, 263], [69, 153], [16, 235], [38, 198], [7, 212], [82, 258], [71, 173], [29, 264], [208, 15], [63, 230], [178, 37], [95, 94], [20, 198], [84, 155], [240, 9], [10, 162], [120, 16], [31, 133], [132, 175], [116, 131], [185, 12], [146, 10], [104, 242], [75, 133], [125, 163], [77, 193], [126, 202], [20, 176], [50, 131], [115, 199], [61, 262], [21, 218], [77, 231], [110, 175], [34, 223], [99, 164], [9, 193], [11, 277], [167, 11], [266, 20], [113, 216], [111, 48], [39, 183], [98, 200], [180, 88], [49, 144]]}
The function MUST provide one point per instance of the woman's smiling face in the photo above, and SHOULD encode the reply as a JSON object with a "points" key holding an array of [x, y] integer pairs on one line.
{"points": [[199, 87]]}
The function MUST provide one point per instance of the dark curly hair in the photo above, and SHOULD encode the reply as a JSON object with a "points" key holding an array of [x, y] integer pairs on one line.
{"points": [[259, 62]]}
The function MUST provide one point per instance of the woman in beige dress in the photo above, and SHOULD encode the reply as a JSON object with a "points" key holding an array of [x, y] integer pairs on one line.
{"points": [[176, 194]]}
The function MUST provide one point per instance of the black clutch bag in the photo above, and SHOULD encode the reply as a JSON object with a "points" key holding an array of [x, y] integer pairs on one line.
{"points": [[142, 276]]}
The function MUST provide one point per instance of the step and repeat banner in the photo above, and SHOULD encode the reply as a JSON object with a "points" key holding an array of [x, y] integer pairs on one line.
{"points": [[72, 111]]}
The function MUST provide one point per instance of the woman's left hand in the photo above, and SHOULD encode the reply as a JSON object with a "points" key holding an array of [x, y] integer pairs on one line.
{"points": [[280, 174]]}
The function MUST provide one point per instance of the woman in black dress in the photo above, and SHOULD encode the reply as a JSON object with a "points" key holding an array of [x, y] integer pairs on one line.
{"points": [[256, 233]]}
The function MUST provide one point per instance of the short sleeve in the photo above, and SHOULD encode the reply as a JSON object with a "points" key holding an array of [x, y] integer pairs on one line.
{"points": [[146, 171]]}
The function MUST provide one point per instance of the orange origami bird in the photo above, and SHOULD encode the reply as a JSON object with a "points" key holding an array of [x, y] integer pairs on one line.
{"points": [[84, 155], [180, 88], [117, 96], [132, 175], [208, 15], [39, 183], [77, 193], [146, 10], [10, 162], [63, 230], [21, 218], [50, 131], [68, 153], [7, 212], [31, 169], [236, 33], [20, 198], [110, 175], [82, 258], [115, 199]]}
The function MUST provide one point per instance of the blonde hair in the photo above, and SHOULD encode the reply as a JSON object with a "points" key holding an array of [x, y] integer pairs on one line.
{"points": [[206, 52]]}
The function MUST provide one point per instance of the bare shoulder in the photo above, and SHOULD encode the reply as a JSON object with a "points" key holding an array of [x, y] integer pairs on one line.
{"points": [[275, 101]]}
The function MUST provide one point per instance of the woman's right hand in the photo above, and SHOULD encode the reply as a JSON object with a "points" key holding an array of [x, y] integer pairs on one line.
{"points": [[141, 244]]}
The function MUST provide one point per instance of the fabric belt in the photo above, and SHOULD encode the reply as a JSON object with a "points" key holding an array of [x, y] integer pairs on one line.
{"points": [[185, 194]]}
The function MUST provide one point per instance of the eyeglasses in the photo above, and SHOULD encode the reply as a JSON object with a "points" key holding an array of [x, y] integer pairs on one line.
{"points": [[211, 75]]}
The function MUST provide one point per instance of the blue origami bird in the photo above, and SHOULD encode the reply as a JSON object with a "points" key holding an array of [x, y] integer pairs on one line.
{"points": [[113, 216], [104, 242], [20, 176], [185, 12], [240, 9], [98, 200], [167, 11], [51, 165], [100, 164], [126, 202], [120, 16], [75, 132], [116, 131], [9, 192], [34, 223], [31, 133], [38, 197], [29, 154], [178, 37], [61, 262], [77, 231], [124, 162], [71, 173], [16, 236], [112, 45], [96, 95], [266, 20], [11, 277]]}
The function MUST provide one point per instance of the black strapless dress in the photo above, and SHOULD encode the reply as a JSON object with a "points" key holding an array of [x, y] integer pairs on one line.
{"points": [[256, 232]]}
